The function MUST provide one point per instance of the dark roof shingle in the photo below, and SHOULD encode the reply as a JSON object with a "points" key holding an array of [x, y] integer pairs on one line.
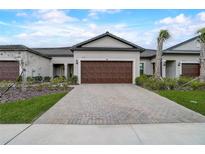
{"points": [[148, 53], [55, 52], [20, 48]]}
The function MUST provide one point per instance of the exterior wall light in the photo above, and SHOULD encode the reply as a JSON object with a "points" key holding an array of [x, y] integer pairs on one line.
{"points": [[76, 61]]}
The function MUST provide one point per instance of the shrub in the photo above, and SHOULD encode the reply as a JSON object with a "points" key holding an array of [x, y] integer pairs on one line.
{"points": [[170, 83], [58, 80], [197, 85], [183, 80], [73, 80], [30, 79], [141, 80], [47, 79], [38, 78], [155, 84]]}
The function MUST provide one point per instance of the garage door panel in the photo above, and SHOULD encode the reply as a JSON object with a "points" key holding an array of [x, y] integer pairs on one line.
{"points": [[190, 69], [9, 70], [106, 72]]}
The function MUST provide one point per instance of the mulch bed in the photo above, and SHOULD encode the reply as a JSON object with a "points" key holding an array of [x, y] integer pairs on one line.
{"points": [[16, 93]]}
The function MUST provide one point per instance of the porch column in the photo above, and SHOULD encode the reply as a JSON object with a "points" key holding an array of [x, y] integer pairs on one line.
{"points": [[178, 68], [66, 70], [164, 68], [51, 70]]}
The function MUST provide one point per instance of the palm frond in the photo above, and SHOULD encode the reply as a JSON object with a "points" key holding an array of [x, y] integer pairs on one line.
{"points": [[201, 33], [164, 34]]}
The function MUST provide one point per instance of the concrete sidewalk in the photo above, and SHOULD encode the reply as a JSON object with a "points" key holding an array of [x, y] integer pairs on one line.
{"points": [[175, 133]]}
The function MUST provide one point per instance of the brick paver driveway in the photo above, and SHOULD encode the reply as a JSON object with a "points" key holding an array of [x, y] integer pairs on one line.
{"points": [[116, 104]]}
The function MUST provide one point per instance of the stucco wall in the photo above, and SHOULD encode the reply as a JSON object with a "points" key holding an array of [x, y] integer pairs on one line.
{"points": [[148, 66], [62, 60], [104, 56], [107, 42], [34, 64], [37, 65]]}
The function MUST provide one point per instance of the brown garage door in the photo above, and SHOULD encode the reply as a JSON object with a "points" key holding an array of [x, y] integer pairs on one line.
{"points": [[106, 72], [192, 70], [9, 70]]}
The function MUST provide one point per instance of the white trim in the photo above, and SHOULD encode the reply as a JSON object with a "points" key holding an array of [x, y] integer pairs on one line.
{"points": [[189, 61], [106, 59]]}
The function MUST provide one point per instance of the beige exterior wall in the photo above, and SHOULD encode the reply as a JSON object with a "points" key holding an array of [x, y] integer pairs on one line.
{"points": [[148, 66], [37, 65], [107, 42], [34, 64], [106, 56]]}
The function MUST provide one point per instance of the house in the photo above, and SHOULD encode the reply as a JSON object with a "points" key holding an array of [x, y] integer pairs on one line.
{"points": [[179, 60], [106, 58]]}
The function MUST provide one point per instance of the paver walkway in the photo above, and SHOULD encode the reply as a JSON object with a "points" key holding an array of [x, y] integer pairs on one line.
{"points": [[116, 104]]}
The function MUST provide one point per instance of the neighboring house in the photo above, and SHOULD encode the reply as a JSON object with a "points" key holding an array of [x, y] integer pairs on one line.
{"points": [[102, 59], [15, 58]]}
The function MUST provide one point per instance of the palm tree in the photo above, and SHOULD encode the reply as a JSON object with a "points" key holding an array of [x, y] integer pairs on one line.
{"points": [[201, 40], [163, 36]]}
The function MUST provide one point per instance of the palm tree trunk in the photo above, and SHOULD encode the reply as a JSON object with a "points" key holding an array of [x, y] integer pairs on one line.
{"points": [[202, 62], [158, 59]]}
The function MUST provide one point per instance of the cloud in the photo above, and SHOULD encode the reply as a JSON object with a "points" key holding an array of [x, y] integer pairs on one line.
{"points": [[54, 16], [4, 23], [201, 15], [21, 14], [95, 13], [53, 28], [180, 19], [181, 27]]}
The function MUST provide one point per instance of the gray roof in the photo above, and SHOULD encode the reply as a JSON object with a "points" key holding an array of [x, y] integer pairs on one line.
{"points": [[148, 53], [55, 52], [79, 45], [20, 48]]}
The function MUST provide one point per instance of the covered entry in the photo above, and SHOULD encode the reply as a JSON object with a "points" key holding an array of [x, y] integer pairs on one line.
{"points": [[9, 70], [106, 71]]}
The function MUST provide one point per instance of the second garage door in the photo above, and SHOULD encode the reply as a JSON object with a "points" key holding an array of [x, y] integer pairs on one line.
{"points": [[190, 69], [9, 70], [106, 72]]}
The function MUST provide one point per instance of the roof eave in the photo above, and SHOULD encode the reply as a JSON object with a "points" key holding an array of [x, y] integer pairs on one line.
{"points": [[106, 49]]}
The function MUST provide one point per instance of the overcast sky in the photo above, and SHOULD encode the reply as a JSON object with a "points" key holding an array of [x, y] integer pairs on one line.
{"points": [[58, 28]]}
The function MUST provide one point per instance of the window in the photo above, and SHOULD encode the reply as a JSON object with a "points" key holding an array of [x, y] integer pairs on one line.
{"points": [[197, 44], [141, 68]]}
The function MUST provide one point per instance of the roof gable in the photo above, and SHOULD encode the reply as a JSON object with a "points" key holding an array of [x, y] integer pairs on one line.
{"points": [[188, 45], [107, 40]]}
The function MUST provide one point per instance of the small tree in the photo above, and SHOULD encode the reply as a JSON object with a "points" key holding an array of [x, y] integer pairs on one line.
{"points": [[163, 36], [201, 40]]}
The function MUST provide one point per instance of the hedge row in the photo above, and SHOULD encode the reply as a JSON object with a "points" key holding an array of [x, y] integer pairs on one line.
{"points": [[152, 83]]}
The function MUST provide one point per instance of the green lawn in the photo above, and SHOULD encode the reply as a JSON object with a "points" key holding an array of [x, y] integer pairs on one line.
{"points": [[194, 100], [26, 111]]}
